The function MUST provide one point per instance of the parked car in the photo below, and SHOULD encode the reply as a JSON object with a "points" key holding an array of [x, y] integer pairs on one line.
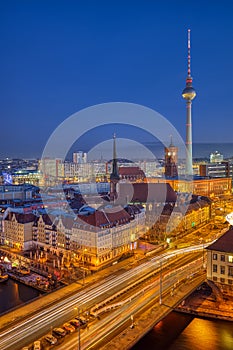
{"points": [[36, 345], [51, 339], [59, 332], [68, 327], [75, 323], [81, 320]]}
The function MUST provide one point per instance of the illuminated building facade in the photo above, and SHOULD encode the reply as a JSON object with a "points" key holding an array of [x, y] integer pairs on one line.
{"points": [[198, 212], [79, 157], [222, 169], [104, 235], [9, 193], [220, 262], [17, 230], [216, 157], [202, 186], [52, 171]]}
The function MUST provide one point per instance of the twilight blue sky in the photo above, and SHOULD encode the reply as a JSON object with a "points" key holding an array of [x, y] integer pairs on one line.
{"points": [[58, 57]]}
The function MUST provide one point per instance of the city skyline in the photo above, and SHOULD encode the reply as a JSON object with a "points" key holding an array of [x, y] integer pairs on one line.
{"points": [[60, 59]]}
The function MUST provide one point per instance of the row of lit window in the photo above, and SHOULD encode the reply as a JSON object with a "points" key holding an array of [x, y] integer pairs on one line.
{"points": [[222, 257]]}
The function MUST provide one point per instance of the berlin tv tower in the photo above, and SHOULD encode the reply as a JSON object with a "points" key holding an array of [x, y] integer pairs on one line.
{"points": [[189, 94]]}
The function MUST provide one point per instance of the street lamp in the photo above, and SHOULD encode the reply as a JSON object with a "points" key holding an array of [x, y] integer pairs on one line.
{"points": [[160, 284], [84, 250], [79, 343]]}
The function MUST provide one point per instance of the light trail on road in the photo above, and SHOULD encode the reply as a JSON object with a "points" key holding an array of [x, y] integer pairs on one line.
{"points": [[39, 323]]}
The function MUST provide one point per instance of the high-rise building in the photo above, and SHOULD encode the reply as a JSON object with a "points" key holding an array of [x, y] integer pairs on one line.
{"points": [[216, 157], [189, 94], [52, 169], [80, 157]]}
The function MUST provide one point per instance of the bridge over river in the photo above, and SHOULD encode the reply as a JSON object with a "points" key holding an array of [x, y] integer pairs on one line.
{"points": [[146, 320], [156, 286]]}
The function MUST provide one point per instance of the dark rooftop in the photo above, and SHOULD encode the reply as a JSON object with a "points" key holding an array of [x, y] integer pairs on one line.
{"points": [[224, 243]]}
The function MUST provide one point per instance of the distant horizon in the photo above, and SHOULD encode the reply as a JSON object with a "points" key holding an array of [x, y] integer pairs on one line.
{"points": [[196, 152]]}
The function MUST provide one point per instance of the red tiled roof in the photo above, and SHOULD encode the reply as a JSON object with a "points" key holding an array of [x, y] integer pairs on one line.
{"points": [[224, 243], [147, 192], [108, 217], [131, 171], [117, 215], [96, 219]]}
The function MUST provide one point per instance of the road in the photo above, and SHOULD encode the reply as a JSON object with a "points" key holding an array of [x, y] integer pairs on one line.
{"points": [[106, 328], [40, 323]]}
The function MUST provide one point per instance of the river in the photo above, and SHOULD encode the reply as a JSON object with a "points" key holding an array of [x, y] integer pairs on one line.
{"points": [[13, 293], [183, 332]]}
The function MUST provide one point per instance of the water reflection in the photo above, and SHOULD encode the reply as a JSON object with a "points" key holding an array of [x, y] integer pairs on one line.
{"points": [[183, 332], [13, 294], [165, 332], [205, 334]]}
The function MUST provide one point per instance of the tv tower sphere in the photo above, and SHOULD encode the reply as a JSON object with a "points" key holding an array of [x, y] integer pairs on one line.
{"points": [[189, 93]]}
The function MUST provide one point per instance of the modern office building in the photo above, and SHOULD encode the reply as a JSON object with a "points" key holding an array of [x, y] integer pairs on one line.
{"points": [[214, 169], [216, 157], [52, 170], [11, 193], [79, 157]]}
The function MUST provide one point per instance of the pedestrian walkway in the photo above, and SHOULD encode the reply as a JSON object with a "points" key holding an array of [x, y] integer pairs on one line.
{"points": [[199, 304]]}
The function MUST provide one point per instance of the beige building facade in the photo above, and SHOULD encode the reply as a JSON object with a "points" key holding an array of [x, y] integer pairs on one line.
{"points": [[220, 262]]}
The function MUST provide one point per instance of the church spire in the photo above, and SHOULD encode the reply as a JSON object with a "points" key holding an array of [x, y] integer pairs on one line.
{"points": [[114, 176], [114, 173]]}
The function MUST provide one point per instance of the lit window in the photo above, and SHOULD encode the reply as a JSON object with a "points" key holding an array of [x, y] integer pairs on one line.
{"points": [[214, 256], [230, 258]]}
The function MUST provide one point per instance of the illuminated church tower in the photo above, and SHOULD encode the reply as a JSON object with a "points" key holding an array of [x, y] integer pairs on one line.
{"points": [[114, 176], [189, 94], [171, 158]]}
